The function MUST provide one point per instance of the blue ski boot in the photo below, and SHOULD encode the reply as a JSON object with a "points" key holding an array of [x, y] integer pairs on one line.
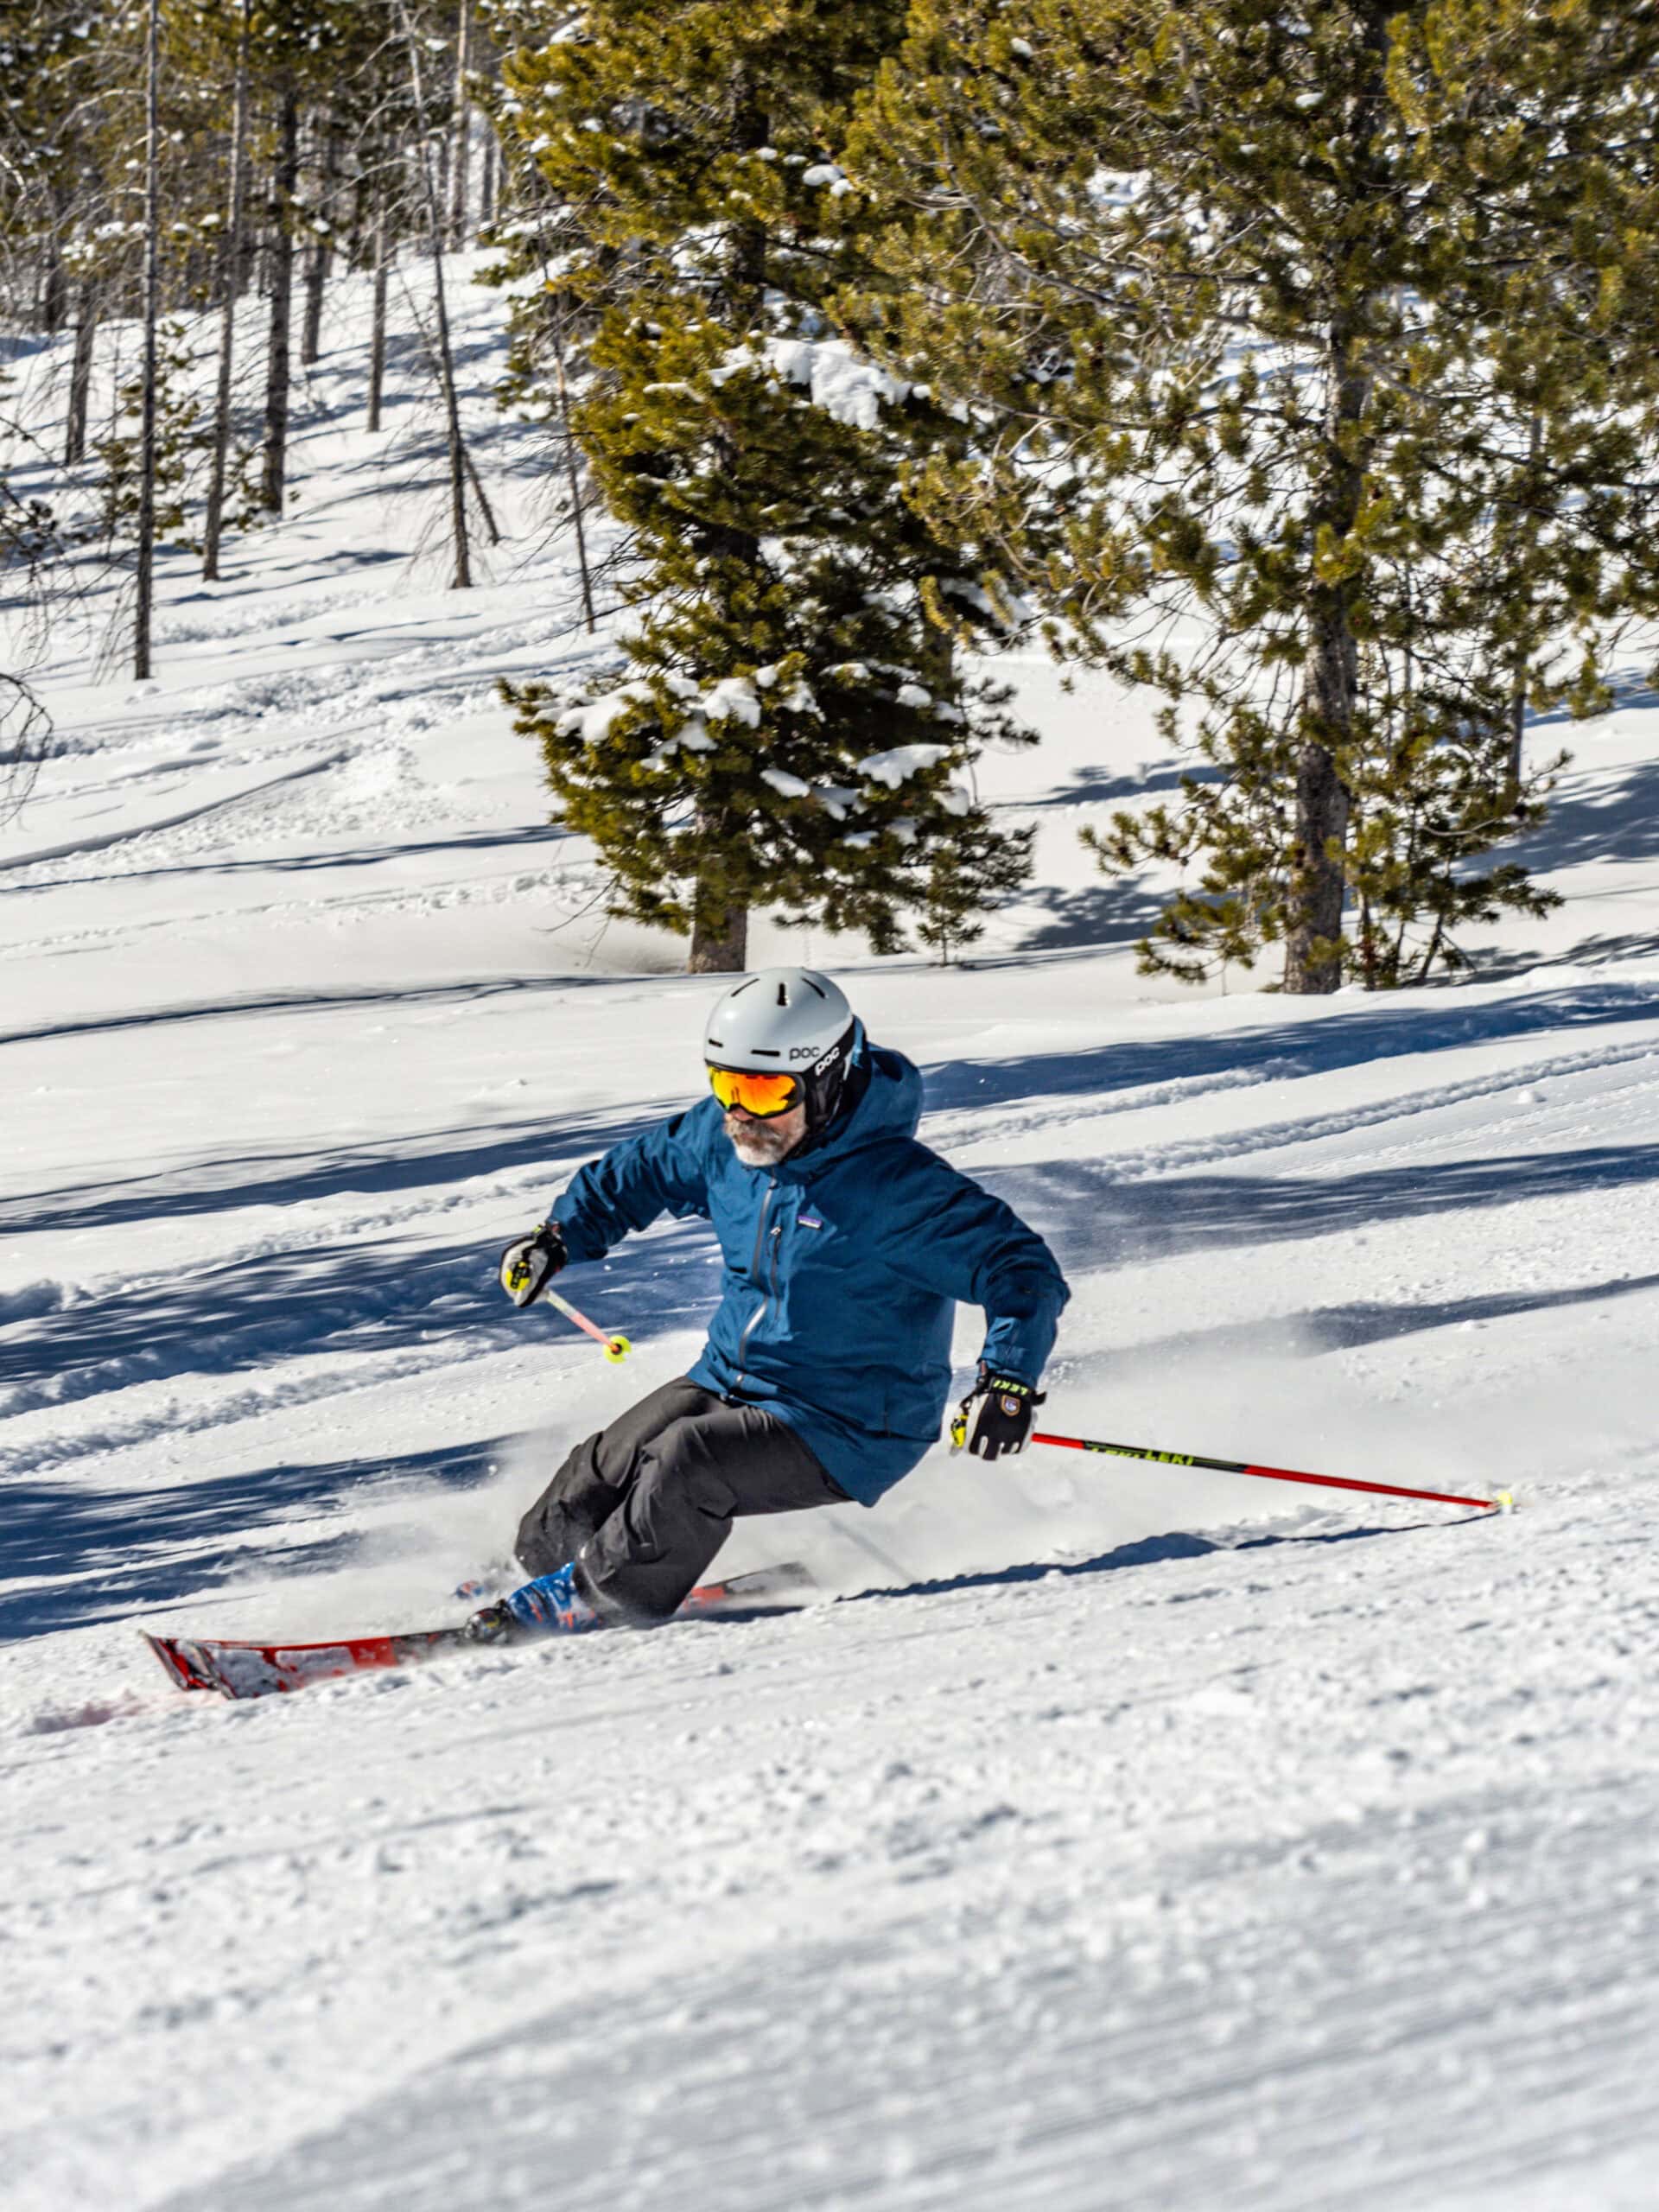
{"points": [[551, 1605]]}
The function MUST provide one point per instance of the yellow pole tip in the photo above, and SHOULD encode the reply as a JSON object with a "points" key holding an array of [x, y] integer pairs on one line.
{"points": [[1504, 1501], [618, 1348]]}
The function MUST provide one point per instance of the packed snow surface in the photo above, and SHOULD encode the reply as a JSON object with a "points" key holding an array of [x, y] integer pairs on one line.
{"points": [[1112, 1834]]}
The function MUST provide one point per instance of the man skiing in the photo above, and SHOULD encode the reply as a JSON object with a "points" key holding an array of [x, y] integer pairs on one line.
{"points": [[827, 1370]]}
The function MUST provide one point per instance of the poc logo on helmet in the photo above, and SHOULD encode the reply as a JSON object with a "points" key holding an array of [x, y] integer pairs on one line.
{"points": [[802, 1051]]}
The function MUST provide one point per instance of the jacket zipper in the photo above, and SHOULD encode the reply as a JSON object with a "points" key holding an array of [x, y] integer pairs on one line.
{"points": [[755, 1270]]}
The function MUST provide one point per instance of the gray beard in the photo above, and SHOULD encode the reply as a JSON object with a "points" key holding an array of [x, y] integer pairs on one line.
{"points": [[759, 1147]]}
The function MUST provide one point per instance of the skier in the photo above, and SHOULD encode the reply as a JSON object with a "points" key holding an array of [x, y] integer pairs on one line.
{"points": [[827, 1368]]}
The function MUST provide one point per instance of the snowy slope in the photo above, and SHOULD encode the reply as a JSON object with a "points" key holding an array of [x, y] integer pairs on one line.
{"points": [[1122, 1836]]}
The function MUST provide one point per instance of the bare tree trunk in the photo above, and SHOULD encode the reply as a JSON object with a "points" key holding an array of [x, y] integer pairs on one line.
{"points": [[1517, 723], [1431, 950], [246, 265], [486, 181], [462, 579], [1522, 669], [1312, 953], [54, 300], [720, 929], [492, 529], [377, 325], [459, 157], [275, 477], [231, 266], [321, 255], [1317, 879], [145, 595], [573, 473], [81, 374], [719, 948], [1318, 872], [720, 923]]}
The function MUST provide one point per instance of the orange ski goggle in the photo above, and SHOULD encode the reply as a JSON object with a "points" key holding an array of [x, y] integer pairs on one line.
{"points": [[757, 1092]]}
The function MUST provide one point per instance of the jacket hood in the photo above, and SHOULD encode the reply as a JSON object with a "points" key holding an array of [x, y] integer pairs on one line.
{"points": [[886, 1104]]}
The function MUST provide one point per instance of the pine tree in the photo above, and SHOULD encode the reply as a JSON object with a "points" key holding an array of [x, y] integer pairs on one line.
{"points": [[796, 722], [1332, 330]]}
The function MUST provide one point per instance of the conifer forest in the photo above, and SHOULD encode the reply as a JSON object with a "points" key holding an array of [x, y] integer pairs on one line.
{"points": [[1294, 366]]}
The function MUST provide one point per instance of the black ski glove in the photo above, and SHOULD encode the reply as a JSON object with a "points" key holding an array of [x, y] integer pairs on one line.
{"points": [[529, 1266], [996, 1415]]}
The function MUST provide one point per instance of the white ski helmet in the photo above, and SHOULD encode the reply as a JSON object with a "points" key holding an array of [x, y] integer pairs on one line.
{"points": [[786, 1022]]}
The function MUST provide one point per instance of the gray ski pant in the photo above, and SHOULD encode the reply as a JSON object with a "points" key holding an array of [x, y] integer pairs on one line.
{"points": [[644, 1506]]}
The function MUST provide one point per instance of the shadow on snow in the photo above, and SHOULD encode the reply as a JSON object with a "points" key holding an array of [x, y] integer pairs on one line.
{"points": [[1093, 1221], [348, 1297], [1304, 1046], [293, 1179], [1345, 1328]]}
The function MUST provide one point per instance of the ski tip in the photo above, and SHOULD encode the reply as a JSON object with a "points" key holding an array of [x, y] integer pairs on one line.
{"points": [[175, 1663]]}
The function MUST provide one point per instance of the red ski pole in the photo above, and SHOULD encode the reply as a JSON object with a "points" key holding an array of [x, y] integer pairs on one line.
{"points": [[1503, 1503]]}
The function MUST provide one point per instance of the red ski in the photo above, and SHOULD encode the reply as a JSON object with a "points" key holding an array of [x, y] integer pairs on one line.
{"points": [[237, 1669]]}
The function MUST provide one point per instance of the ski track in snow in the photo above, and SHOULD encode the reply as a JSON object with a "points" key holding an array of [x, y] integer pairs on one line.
{"points": [[1122, 1836]]}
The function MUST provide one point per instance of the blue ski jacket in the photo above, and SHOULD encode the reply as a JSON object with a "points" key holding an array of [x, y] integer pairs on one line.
{"points": [[841, 1269]]}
